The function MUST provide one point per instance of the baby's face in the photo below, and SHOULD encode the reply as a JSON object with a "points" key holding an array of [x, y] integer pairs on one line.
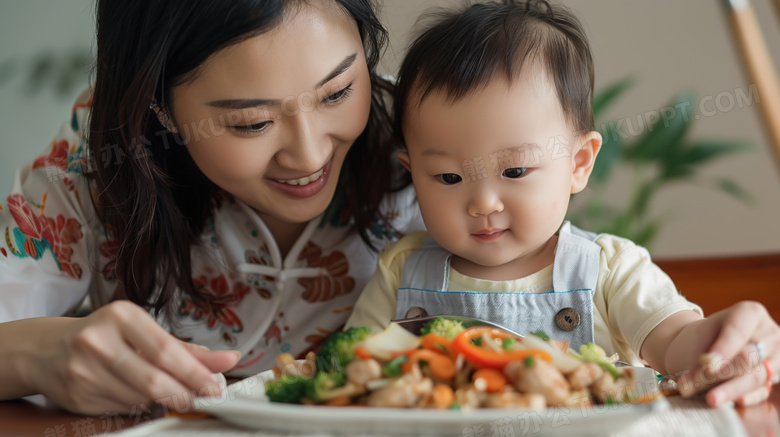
{"points": [[493, 173]]}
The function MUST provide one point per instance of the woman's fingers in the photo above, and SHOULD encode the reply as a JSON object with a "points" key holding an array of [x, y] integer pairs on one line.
{"points": [[151, 381], [742, 378], [215, 361], [115, 391], [740, 324], [163, 351], [752, 398]]}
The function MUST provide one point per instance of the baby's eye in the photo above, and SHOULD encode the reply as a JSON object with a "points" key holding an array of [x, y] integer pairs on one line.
{"points": [[449, 178], [514, 172]]}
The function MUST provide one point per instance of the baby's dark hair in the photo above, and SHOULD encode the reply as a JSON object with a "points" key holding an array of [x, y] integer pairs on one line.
{"points": [[461, 50]]}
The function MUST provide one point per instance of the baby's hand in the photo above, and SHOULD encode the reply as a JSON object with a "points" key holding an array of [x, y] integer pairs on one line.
{"points": [[744, 360]]}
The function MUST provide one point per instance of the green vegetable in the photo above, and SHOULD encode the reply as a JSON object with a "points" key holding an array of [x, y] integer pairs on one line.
{"points": [[339, 349], [393, 368], [508, 344], [287, 389], [529, 361], [442, 326], [477, 341], [318, 387], [542, 335], [455, 406], [594, 354]]}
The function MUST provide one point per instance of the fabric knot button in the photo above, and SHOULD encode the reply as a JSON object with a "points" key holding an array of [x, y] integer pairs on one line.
{"points": [[416, 312], [567, 319]]}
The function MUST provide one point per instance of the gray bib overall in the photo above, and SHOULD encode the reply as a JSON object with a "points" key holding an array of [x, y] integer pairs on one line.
{"points": [[565, 314]]}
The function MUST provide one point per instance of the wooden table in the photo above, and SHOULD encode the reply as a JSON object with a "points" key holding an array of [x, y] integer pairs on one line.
{"points": [[22, 418], [712, 283]]}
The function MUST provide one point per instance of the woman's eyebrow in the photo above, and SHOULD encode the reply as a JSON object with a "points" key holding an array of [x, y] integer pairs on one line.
{"points": [[254, 103], [342, 67]]}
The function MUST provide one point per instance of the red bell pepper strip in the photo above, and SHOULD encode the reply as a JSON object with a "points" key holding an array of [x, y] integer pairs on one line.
{"points": [[481, 357]]}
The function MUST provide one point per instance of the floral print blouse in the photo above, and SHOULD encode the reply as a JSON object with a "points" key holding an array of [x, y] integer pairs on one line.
{"points": [[55, 252]]}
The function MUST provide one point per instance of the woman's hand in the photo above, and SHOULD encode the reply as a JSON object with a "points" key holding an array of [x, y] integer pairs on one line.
{"points": [[118, 357], [733, 363]]}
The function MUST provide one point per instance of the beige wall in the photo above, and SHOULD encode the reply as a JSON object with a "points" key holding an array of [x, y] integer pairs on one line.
{"points": [[669, 46]]}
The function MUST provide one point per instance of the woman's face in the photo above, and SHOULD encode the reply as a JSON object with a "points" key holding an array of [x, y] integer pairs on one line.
{"points": [[271, 119]]}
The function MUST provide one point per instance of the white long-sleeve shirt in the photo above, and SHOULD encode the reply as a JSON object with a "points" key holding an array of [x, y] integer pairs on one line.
{"points": [[55, 252]]}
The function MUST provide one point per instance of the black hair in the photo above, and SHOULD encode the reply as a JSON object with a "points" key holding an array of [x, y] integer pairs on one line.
{"points": [[156, 204], [462, 50]]}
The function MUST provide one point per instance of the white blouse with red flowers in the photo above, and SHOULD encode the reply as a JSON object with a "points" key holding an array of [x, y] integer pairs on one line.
{"points": [[56, 252]]}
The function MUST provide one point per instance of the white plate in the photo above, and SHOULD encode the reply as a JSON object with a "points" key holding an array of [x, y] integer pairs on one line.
{"points": [[245, 404]]}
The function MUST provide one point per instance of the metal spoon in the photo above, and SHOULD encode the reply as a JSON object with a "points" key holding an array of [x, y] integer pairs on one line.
{"points": [[415, 324]]}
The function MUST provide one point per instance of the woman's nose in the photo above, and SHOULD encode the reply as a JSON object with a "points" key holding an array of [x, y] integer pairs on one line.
{"points": [[485, 201], [304, 148]]}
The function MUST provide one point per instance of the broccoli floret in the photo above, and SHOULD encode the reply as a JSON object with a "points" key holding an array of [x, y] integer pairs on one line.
{"points": [[318, 388], [339, 349], [594, 354], [443, 326], [287, 389]]}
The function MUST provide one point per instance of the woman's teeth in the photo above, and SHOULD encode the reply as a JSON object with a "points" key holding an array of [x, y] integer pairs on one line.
{"points": [[303, 181]]}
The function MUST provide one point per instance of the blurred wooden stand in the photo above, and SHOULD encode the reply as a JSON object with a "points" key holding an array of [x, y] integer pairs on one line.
{"points": [[717, 283], [758, 64]]}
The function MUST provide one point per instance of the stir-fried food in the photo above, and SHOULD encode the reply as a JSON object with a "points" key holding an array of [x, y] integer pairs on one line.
{"points": [[450, 367]]}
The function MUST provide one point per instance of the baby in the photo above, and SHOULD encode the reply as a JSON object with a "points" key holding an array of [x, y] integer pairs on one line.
{"points": [[494, 105]]}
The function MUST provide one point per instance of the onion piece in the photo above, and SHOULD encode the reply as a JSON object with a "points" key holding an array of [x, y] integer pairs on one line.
{"points": [[393, 339], [563, 361], [379, 383]]}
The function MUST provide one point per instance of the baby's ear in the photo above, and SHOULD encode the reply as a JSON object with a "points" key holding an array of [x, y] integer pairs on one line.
{"points": [[586, 148], [404, 158]]}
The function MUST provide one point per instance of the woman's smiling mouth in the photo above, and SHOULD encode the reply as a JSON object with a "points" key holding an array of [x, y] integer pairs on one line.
{"points": [[306, 186], [304, 180]]}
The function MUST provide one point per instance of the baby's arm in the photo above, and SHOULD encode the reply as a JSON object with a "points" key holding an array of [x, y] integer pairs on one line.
{"points": [[376, 305], [701, 352]]}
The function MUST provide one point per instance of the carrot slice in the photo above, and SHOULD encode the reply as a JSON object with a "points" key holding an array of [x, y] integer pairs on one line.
{"points": [[341, 401], [442, 396], [362, 353], [494, 379], [442, 366], [440, 344]]}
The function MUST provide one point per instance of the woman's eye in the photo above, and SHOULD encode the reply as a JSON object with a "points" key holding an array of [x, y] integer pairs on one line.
{"points": [[339, 95], [514, 172], [252, 128], [449, 178]]}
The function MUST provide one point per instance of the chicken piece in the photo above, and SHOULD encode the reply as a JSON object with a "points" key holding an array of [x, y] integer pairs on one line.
{"points": [[579, 398], [469, 396], [540, 377], [584, 375], [463, 377], [509, 399], [608, 388], [405, 392], [361, 371]]}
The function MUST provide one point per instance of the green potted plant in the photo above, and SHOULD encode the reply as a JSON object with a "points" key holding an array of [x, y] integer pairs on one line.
{"points": [[659, 157]]}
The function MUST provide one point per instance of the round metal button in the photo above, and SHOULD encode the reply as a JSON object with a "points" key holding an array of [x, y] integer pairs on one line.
{"points": [[567, 319], [416, 312]]}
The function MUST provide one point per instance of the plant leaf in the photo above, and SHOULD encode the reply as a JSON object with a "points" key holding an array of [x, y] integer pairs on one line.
{"points": [[690, 156], [731, 187], [604, 98], [610, 153], [662, 137], [644, 236]]}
